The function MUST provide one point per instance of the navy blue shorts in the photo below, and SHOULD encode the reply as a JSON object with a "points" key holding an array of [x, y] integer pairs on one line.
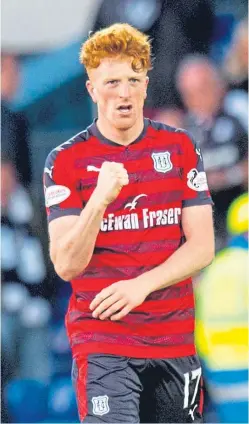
{"points": [[118, 389]]}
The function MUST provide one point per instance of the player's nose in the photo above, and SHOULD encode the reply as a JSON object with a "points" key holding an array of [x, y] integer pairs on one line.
{"points": [[124, 90]]}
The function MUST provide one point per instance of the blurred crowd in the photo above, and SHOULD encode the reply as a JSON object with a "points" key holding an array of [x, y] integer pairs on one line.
{"points": [[199, 82]]}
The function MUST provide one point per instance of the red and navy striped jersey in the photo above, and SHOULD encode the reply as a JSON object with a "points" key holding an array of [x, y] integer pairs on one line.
{"points": [[139, 231]]}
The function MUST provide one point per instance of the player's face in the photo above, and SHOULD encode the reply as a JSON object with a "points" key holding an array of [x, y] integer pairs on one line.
{"points": [[119, 92]]}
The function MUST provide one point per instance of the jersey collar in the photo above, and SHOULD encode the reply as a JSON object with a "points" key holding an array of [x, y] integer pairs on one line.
{"points": [[93, 129]]}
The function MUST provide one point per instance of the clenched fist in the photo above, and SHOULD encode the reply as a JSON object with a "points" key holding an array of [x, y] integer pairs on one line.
{"points": [[112, 177]]}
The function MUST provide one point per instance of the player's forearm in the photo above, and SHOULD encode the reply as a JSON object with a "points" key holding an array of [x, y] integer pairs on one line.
{"points": [[76, 247], [189, 259]]}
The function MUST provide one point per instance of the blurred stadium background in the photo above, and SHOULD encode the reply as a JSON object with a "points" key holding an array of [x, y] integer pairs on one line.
{"points": [[199, 82]]}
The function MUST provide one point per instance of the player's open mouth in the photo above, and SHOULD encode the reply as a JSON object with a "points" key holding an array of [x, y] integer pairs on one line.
{"points": [[124, 109]]}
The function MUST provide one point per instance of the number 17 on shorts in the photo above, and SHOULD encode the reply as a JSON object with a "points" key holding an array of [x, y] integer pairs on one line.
{"points": [[192, 381]]}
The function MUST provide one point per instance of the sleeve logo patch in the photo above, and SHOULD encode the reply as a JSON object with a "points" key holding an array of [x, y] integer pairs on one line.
{"points": [[56, 194], [197, 180]]}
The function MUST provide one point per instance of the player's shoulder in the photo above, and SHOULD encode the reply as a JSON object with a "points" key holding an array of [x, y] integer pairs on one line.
{"points": [[169, 130], [67, 146]]}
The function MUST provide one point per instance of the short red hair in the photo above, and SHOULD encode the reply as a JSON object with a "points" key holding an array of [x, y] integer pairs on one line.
{"points": [[118, 40]]}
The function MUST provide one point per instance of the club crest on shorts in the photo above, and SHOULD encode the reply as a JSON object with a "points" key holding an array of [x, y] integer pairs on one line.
{"points": [[100, 405], [162, 162]]}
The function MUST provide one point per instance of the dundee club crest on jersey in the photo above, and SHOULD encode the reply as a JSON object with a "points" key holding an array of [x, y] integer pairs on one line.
{"points": [[162, 162]]}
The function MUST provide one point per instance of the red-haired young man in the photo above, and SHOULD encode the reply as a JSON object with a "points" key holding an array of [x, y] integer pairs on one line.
{"points": [[130, 221]]}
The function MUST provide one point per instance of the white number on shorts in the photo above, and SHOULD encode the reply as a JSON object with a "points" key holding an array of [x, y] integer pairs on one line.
{"points": [[195, 375]]}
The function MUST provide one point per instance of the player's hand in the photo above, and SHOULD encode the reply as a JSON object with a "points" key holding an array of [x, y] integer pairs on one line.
{"points": [[117, 300], [112, 177]]}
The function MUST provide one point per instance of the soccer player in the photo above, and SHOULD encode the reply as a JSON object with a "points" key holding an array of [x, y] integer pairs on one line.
{"points": [[130, 221]]}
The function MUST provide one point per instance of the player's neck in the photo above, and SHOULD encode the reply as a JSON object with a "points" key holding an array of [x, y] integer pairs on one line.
{"points": [[123, 137]]}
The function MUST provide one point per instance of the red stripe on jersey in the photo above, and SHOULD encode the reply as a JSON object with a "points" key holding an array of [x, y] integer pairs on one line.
{"points": [[141, 167], [93, 284], [155, 329], [170, 184], [151, 305], [166, 305], [135, 351], [122, 259], [107, 239], [132, 318], [146, 175], [164, 140]]}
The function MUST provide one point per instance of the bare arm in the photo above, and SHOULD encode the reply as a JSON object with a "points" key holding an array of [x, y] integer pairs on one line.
{"points": [[72, 239], [195, 254]]}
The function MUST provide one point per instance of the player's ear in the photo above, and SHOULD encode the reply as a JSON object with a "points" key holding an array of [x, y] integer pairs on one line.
{"points": [[146, 85], [91, 90]]}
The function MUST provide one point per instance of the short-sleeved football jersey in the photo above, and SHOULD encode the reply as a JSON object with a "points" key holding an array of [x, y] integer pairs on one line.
{"points": [[139, 231]]}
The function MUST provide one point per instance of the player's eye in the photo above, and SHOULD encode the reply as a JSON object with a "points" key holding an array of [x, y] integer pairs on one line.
{"points": [[134, 80], [112, 82]]}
